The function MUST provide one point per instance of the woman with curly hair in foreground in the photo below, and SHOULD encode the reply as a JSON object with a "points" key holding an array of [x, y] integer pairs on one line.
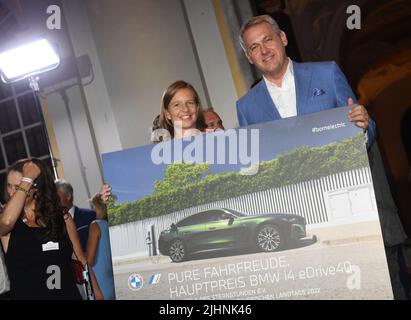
{"points": [[39, 237]]}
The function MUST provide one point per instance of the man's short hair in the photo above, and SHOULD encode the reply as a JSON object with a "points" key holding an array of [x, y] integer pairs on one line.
{"points": [[64, 186], [265, 18]]}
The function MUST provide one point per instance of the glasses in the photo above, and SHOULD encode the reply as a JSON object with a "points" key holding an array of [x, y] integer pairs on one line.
{"points": [[268, 40]]}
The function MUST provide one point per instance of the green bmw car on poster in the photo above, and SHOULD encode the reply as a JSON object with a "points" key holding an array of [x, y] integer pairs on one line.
{"points": [[220, 229]]}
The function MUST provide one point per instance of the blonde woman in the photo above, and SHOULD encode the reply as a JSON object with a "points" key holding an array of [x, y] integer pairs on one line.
{"points": [[99, 251]]}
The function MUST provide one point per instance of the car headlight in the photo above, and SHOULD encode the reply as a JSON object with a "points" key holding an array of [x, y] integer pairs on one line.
{"points": [[290, 219]]}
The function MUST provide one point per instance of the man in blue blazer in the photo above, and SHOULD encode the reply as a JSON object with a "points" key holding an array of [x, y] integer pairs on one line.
{"points": [[82, 217], [289, 88], [292, 89]]}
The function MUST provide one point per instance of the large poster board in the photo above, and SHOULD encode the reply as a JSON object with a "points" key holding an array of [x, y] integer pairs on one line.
{"points": [[280, 210]]}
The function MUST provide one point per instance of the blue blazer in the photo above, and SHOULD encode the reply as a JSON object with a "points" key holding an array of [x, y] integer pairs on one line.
{"points": [[82, 220], [318, 85]]}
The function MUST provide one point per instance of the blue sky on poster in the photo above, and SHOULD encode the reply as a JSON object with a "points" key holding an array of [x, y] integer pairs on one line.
{"points": [[131, 173]]}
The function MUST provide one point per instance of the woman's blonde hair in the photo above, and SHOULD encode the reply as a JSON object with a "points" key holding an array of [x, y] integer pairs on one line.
{"points": [[99, 204]]}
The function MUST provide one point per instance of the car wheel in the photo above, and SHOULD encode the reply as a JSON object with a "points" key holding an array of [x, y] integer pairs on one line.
{"points": [[269, 238], [178, 251]]}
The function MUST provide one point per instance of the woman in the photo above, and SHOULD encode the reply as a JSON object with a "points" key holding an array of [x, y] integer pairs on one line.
{"points": [[99, 251], [39, 237], [181, 111], [181, 116]]}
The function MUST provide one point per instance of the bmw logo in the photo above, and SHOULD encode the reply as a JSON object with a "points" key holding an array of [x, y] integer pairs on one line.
{"points": [[135, 281]]}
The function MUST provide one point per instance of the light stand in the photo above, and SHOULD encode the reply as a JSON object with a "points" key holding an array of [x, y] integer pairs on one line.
{"points": [[34, 85]]}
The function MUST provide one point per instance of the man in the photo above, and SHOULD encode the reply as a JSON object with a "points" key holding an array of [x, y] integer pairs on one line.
{"points": [[213, 120], [82, 217], [292, 89], [288, 88]]}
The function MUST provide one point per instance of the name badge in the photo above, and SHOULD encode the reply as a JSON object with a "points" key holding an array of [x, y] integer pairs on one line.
{"points": [[50, 246]]}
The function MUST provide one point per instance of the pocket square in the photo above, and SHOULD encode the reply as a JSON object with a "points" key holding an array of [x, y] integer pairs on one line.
{"points": [[318, 92]]}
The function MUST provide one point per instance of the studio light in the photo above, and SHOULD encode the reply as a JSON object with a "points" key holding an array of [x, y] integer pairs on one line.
{"points": [[28, 60]]}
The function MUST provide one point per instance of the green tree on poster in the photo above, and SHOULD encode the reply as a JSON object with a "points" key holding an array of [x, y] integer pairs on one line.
{"points": [[181, 175]]}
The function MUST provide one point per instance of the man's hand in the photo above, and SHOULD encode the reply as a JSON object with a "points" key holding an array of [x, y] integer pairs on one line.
{"points": [[105, 193], [358, 114]]}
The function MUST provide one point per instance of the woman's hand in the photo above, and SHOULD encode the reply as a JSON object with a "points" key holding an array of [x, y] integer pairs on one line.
{"points": [[31, 170], [105, 193]]}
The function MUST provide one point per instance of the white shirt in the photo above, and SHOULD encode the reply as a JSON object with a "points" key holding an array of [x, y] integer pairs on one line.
{"points": [[284, 97]]}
